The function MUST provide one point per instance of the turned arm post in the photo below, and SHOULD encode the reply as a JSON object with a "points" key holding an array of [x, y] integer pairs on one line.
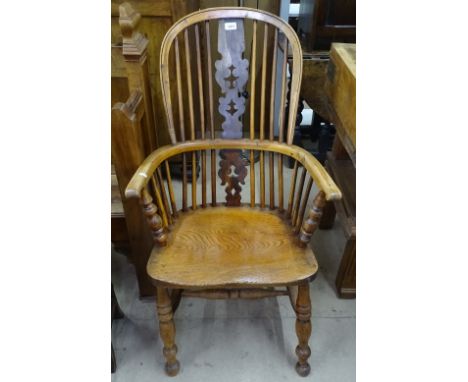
{"points": [[153, 218], [311, 223], [134, 51]]}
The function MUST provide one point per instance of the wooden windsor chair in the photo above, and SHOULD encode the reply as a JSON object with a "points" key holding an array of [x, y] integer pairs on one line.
{"points": [[231, 249]]}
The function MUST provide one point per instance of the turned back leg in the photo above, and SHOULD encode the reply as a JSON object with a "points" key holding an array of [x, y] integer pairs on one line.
{"points": [[167, 331], [303, 329]]}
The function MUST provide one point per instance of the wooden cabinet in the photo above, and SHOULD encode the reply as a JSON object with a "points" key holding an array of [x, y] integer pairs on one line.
{"points": [[340, 90], [322, 22]]}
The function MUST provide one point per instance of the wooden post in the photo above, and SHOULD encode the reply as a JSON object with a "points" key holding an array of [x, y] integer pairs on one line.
{"points": [[127, 155], [303, 329], [134, 52], [167, 331], [311, 224]]}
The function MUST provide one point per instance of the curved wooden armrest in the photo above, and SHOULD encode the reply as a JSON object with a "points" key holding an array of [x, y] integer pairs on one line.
{"points": [[154, 160]]}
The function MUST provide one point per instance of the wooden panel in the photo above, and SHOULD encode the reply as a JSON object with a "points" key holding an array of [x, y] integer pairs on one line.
{"points": [[313, 82], [144, 7], [127, 154], [346, 277], [228, 246], [157, 18], [340, 86], [119, 89], [322, 22]]}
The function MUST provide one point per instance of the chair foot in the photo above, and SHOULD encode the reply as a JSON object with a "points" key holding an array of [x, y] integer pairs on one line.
{"points": [[303, 329], [302, 368], [172, 369], [167, 331]]}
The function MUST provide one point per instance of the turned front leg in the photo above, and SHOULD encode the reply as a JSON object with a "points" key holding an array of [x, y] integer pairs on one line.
{"points": [[303, 329], [167, 331]]}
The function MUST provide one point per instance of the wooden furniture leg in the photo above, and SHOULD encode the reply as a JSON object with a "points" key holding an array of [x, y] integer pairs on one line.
{"points": [[167, 331], [113, 362], [116, 313], [346, 276], [303, 328], [328, 216], [176, 295]]}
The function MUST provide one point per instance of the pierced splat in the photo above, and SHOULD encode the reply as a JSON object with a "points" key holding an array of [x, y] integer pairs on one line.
{"points": [[231, 75], [232, 173]]}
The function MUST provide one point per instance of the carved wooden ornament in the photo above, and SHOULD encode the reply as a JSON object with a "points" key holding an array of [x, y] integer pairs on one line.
{"points": [[232, 173]]}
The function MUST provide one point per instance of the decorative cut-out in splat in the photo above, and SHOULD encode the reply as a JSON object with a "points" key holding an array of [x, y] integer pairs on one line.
{"points": [[232, 173], [231, 75]]}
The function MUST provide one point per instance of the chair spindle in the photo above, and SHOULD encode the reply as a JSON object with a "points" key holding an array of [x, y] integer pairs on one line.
{"points": [[171, 189], [194, 180], [213, 178], [297, 202], [159, 202], [203, 155], [179, 90], [202, 112], [292, 190], [252, 111], [165, 201], [184, 182], [305, 199], [189, 84]]}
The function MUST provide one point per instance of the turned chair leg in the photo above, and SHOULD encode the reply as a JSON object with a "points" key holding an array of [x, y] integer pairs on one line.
{"points": [[167, 331], [303, 329]]}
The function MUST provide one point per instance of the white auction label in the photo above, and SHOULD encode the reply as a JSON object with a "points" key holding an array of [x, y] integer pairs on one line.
{"points": [[230, 26]]}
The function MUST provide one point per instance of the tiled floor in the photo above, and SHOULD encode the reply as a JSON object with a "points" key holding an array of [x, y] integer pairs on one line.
{"points": [[238, 340]]}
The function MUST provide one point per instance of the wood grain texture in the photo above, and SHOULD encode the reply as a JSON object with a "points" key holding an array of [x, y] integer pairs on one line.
{"points": [[321, 178], [232, 171], [303, 329], [167, 331], [127, 154], [230, 246], [223, 14], [340, 86]]}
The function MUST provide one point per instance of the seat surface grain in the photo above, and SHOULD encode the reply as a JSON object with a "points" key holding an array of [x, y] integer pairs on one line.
{"points": [[231, 246]]}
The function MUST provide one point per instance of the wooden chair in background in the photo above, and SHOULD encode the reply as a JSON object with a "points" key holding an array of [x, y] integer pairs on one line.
{"points": [[205, 248]]}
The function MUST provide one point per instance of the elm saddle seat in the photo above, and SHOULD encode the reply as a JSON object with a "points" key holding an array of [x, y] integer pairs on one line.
{"points": [[231, 246], [225, 248]]}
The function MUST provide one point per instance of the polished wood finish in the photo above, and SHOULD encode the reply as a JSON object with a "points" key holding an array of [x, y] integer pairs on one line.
{"points": [[127, 154], [232, 159], [233, 249], [230, 247], [311, 224], [225, 13], [155, 18], [303, 329], [344, 172], [340, 88], [167, 330], [233, 294], [154, 220], [134, 51], [313, 167]]}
